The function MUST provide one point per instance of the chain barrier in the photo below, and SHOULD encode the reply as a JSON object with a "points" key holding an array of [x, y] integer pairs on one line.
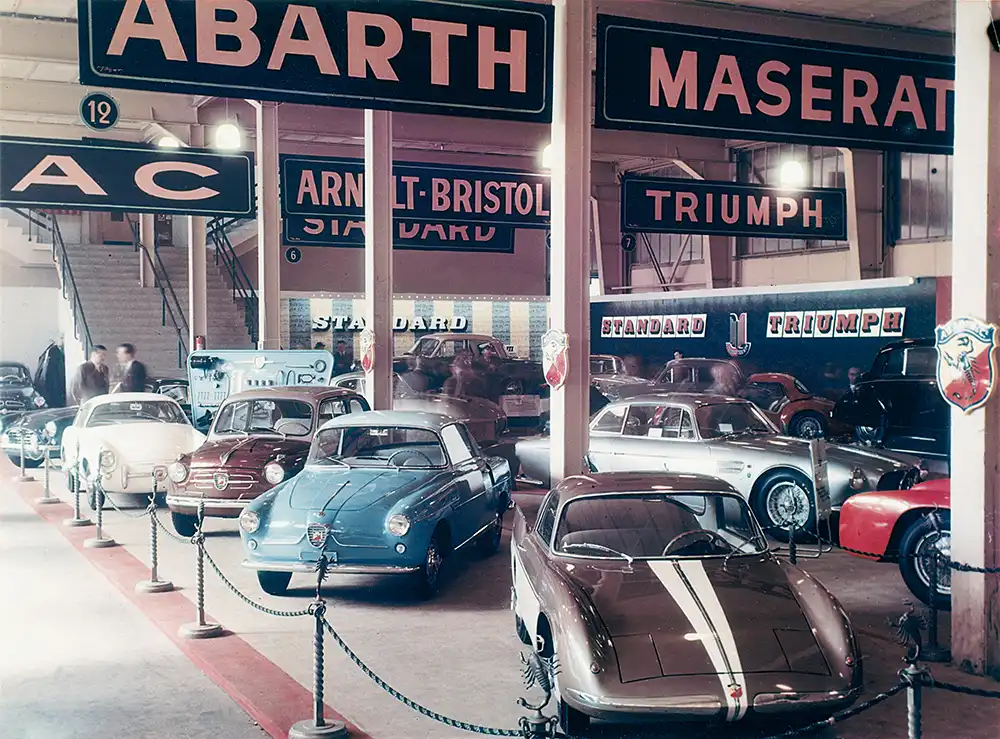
{"points": [[171, 534], [249, 601], [930, 682], [128, 514]]}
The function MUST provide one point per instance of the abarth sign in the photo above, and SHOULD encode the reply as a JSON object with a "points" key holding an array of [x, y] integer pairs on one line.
{"points": [[334, 187], [966, 368], [471, 58], [555, 357], [688, 206], [728, 84], [124, 177], [409, 235]]}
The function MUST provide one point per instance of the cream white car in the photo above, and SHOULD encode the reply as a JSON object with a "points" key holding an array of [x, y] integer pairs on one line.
{"points": [[127, 439]]}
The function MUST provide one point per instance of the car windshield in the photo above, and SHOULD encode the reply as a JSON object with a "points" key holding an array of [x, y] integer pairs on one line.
{"points": [[731, 419], [259, 416], [377, 446], [602, 366], [423, 348], [651, 525], [136, 411], [14, 375]]}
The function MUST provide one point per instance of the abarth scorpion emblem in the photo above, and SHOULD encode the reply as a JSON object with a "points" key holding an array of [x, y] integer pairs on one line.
{"points": [[220, 480], [555, 359], [966, 368]]}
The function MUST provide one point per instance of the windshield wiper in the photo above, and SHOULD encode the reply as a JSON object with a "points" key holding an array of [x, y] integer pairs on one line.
{"points": [[601, 548]]}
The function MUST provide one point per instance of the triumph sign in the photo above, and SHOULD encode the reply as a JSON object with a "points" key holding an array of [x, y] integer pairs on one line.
{"points": [[334, 186], [118, 176], [727, 84], [688, 206], [471, 58]]}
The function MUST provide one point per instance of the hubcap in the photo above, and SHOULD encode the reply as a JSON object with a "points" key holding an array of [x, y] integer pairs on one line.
{"points": [[788, 503], [810, 428], [433, 565], [924, 560]]}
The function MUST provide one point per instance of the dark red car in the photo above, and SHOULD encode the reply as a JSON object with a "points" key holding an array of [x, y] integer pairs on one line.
{"points": [[796, 410], [259, 438]]}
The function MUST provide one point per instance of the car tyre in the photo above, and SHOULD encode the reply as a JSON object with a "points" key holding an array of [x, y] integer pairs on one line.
{"points": [[488, 543], [274, 583], [807, 425], [785, 494], [914, 559], [571, 721], [29, 464], [873, 436], [521, 630], [184, 525], [427, 580]]}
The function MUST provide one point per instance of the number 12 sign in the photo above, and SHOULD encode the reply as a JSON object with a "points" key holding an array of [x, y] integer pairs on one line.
{"points": [[99, 111]]}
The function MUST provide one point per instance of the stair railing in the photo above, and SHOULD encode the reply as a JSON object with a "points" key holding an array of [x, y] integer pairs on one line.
{"points": [[169, 304], [225, 255], [46, 222]]}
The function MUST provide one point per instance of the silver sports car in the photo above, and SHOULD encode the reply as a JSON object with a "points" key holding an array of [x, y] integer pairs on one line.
{"points": [[731, 439], [608, 373], [655, 596]]}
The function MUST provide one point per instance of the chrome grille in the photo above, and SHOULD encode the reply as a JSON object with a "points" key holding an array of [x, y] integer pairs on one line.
{"points": [[13, 404], [238, 479]]}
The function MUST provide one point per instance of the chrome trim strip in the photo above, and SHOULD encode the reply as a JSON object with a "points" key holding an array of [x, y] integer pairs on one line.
{"points": [[180, 500], [343, 569]]}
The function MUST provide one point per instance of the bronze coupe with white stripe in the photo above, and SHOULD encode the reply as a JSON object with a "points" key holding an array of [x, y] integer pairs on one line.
{"points": [[659, 599]]}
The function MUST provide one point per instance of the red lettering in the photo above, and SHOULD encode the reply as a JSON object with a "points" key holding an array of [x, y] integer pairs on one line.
{"points": [[629, 327], [892, 320], [655, 326], [668, 326], [791, 324], [774, 322], [823, 323], [807, 323], [642, 327], [683, 326], [847, 323], [697, 325], [867, 321], [618, 325], [605, 327]]}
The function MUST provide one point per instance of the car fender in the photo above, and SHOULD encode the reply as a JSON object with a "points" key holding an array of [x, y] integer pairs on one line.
{"points": [[872, 522]]}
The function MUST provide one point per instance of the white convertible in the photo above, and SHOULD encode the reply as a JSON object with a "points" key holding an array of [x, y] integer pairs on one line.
{"points": [[128, 439]]}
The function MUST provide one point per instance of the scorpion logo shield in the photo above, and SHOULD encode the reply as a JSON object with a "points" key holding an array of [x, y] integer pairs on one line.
{"points": [[966, 369]]}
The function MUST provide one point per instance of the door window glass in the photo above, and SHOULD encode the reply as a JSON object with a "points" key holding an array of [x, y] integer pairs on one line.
{"points": [[644, 420], [920, 361], [359, 405], [469, 441], [611, 420], [457, 449], [547, 517]]}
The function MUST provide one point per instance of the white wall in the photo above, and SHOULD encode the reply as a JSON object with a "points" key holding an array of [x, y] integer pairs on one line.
{"points": [[823, 266], [931, 259], [29, 320]]}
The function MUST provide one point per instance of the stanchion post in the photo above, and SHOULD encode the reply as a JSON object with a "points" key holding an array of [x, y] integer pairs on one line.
{"points": [[47, 497], [200, 629], [318, 727], [934, 652], [792, 556], [154, 584], [74, 482], [23, 476], [100, 541], [913, 677]]}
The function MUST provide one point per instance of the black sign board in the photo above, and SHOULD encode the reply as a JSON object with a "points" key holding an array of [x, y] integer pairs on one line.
{"points": [[334, 187], [688, 206], [479, 58], [99, 111], [727, 84], [410, 235], [121, 176]]}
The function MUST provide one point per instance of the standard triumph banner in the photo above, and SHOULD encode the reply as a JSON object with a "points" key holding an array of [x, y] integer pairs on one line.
{"points": [[409, 235], [334, 187], [471, 58], [688, 206], [119, 176], [726, 84]]}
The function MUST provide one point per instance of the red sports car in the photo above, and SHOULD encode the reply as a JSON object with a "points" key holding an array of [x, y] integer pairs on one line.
{"points": [[905, 526], [790, 405]]}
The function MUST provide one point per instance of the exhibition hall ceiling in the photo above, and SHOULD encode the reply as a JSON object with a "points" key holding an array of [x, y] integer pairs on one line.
{"points": [[928, 15]]}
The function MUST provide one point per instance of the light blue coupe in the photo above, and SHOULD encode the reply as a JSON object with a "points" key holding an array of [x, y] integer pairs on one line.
{"points": [[386, 492]]}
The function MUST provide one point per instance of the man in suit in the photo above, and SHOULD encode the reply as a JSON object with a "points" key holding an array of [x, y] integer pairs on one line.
{"points": [[133, 371], [91, 378]]}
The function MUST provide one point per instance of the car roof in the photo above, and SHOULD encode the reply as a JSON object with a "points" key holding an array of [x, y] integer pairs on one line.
{"points": [[125, 397], [691, 400], [603, 483], [447, 336], [411, 419], [14, 364], [905, 343], [293, 392]]}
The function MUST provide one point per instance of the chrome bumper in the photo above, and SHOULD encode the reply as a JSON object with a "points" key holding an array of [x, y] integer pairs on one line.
{"points": [[331, 567], [193, 501]]}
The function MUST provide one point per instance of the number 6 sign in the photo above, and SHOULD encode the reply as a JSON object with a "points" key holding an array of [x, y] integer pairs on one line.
{"points": [[99, 111]]}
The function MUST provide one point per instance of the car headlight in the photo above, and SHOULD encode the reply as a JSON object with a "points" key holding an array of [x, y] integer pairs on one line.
{"points": [[249, 521], [274, 473], [106, 460], [51, 429], [859, 480], [398, 524], [39, 401], [177, 472]]}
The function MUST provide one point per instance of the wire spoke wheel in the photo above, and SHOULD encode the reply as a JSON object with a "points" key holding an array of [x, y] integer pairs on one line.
{"points": [[788, 504], [924, 560]]}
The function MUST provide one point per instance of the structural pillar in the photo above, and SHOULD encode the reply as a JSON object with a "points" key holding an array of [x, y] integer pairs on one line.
{"points": [[268, 227], [570, 251], [147, 237], [378, 255], [975, 437], [197, 265]]}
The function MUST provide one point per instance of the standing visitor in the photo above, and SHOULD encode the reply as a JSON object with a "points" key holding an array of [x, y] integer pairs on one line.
{"points": [[133, 371], [91, 377]]}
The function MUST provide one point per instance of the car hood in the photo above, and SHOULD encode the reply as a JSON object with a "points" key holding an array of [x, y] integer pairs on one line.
{"points": [[245, 451], [36, 420], [338, 488], [691, 617], [461, 409], [148, 441], [14, 390]]}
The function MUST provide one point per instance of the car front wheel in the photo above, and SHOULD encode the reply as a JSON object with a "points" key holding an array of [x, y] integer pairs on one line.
{"points": [[873, 436], [274, 583], [807, 425], [427, 579], [917, 550], [785, 502], [184, 525], [29, 464]]}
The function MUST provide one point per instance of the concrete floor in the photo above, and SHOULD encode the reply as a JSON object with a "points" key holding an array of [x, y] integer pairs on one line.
{"points": [[458, 654]]}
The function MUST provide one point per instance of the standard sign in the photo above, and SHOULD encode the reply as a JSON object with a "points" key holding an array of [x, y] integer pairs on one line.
{"points": [[471, 58], [688, 206], [710, 82], [116, 176], [419, 235], [333, 186]]}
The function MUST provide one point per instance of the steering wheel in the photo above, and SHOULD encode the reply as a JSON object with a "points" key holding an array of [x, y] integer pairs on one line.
{"points": [[687, 538], [396, 453]]}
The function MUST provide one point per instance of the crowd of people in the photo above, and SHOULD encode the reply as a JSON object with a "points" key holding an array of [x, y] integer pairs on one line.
{"points": [[94, 377]]}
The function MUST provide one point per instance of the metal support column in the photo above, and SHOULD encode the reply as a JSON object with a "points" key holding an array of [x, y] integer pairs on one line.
{"points": [[975, 436], [197, 265], [378, 255], [570, 291], [268, 227], [147, 237]]}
